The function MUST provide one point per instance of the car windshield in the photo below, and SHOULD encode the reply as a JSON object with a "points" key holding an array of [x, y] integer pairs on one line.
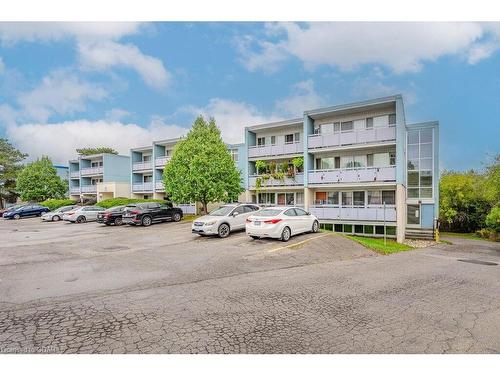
{"points": [[222, 211], [268, 212]]}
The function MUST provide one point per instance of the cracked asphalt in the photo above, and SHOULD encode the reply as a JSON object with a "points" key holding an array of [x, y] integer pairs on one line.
{"points": [[69, 288]]}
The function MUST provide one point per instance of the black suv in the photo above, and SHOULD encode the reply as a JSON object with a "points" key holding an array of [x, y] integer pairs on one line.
{"points": [[147, 213]]}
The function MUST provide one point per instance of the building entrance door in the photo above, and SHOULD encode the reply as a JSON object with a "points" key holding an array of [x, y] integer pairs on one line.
{"points": [[413, 216]]}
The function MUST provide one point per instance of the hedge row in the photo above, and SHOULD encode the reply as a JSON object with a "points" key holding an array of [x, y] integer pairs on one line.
{"points": [[108, 203], [53, 204]]}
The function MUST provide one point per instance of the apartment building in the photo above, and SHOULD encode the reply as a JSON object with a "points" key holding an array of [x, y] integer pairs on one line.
{"points": [[360, 168], [100, 176]]}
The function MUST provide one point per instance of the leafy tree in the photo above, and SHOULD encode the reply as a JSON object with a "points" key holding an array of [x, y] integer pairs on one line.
{"points": [[38, 181], [493, 219], [492, 182], [201, 168], [96, 150], [10, 165]]}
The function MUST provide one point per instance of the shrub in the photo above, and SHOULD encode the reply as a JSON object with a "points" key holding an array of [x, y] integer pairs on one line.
{"points": [[489, 234], [108, 203], [493, 219], [53, 204]]}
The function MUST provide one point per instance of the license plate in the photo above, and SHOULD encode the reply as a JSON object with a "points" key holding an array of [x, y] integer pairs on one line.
{"points": [[256, 223]]}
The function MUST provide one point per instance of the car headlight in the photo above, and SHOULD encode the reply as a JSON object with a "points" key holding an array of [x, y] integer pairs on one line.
{"points": [[212, 222]]}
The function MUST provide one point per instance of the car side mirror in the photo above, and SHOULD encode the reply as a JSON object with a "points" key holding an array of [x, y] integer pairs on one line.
{"points": [[235, 214], [308, 213]]}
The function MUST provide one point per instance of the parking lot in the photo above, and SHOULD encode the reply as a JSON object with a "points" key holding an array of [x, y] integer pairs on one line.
{"points": [[89, 288]]}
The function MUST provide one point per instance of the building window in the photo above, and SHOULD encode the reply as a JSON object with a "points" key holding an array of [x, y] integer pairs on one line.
{"points": [[273, 140], [261, 141], [369, 160], [168, 152], [374, 197], [297, 137], [347, 198], [392, 158], [389, 197], [359, 198], [333, 197], [420, 162], [267, 198], [369, 123], [392, 119], [347, 126], [289, 138], [234, 154], [146, 158]]}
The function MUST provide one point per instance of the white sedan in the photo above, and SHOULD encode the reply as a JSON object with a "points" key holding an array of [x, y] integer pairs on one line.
{"points": [[281, 222]]}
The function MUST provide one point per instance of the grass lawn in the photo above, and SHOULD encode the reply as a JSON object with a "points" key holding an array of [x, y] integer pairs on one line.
{"points": [[469, 236], [189, 217], [377, 244]]}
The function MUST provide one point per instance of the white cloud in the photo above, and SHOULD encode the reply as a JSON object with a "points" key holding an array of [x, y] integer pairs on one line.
{"points": [[108, 54], [97, 45], [347, 45], [303, 96], [59, 140], [232, 117], [116, 114], [59, 93]]}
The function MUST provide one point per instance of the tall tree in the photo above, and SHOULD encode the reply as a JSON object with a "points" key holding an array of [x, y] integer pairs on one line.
{"points": [[201, 168], [10, 165], [38, 181], [96, 150]]}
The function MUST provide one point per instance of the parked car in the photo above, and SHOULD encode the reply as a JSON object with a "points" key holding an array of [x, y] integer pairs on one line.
{"points": [[224, 220], [281, 222], [147, 213], [26, 211], [82, 214], [57, 214], [14, 207], [112, 215]]}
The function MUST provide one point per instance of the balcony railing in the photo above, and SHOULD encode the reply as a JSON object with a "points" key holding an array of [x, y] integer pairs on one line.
{"points": [[75, 174], [159, 186], [369, 213], [274, 150], [92, 171], [74, 190], [89, 189], [142, 166], [145, 186], [187, 209], [339, 176], [162, 160], [298, 179], [362, 136]]}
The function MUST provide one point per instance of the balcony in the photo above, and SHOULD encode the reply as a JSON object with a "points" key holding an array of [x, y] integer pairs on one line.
{"points": [[159, 186], [92, 171], [297, 180], [89, 189], [145, 186], [75, 174], [162, 160], [142, 166], [355, 175], [369, 213], [275, 150], [358, 137], [75, 190]]}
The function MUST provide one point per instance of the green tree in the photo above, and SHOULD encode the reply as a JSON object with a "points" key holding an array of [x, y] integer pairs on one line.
{"points": [[38, 181], [96, 150], [201, 168], [10, 165]]}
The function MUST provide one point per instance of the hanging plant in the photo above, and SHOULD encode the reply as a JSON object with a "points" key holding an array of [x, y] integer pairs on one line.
{"points": [[261, 166], [298, 163]]}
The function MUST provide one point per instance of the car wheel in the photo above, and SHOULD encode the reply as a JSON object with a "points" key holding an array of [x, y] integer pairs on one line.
{"points": [[81, 219], [176, 217], [146, 221], [315, 227], [255, 237], [286, 234], [56, 218], [118, 221], [17, 216], [224, 230]]}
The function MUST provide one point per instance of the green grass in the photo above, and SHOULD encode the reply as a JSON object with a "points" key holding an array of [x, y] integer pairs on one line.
{"points": [[469, 236], [189, 217], [377, 244]]}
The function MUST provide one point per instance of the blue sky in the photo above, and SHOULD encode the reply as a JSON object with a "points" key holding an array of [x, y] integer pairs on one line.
{"points": [[64, 86]]}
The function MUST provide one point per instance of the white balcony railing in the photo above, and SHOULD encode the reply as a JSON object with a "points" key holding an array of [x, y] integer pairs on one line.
{"points": [[145, 186], [162, 160], [369, 213], [351, 138], [142, 166], [367, 174], [75, 174], [92, 171], [89, 189], [74, 190], [298, 179], [274, 150], [159, 186]]}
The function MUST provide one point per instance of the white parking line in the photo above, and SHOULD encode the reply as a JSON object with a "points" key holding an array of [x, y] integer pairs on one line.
{"points": [[298, 243]]}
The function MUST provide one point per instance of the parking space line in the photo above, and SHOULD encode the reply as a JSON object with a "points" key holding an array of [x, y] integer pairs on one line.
{"points": [[298, 243]]}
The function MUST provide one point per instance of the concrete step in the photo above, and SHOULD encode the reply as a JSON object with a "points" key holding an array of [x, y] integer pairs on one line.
{"points": [[419, 234]]}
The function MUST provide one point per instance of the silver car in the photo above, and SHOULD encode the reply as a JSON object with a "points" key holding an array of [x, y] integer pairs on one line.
{"points": [[82, 214], [57, 214], [224, 220]]}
